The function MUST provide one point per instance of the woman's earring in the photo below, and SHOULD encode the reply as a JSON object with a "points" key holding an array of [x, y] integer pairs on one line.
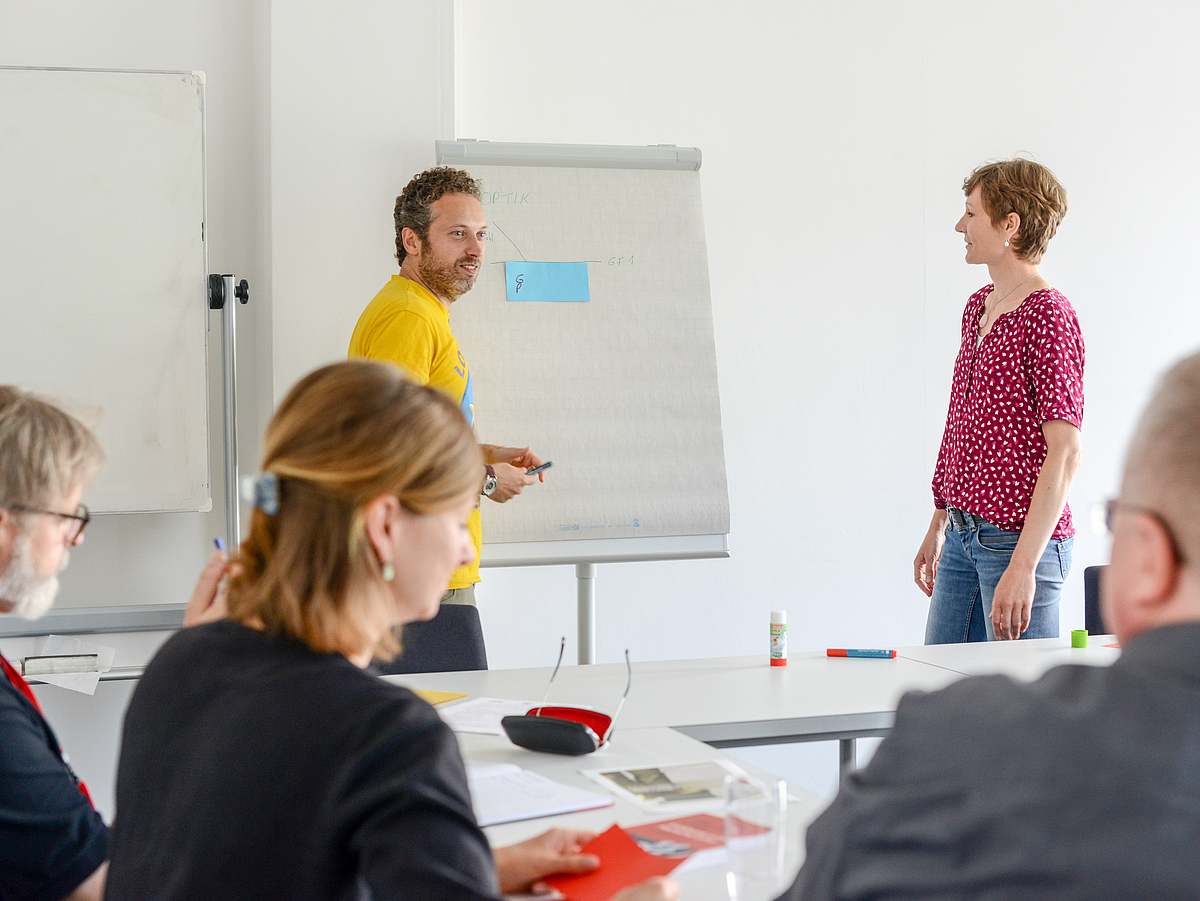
{"points": [[1005, 243], [389, 572]]}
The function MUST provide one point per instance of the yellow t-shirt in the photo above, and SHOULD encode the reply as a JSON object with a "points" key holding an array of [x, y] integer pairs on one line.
{"points": [[408, 326]]}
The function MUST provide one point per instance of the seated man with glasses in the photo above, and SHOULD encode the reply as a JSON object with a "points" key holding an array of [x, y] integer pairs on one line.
{"points": [[1084, 784], [53, 844]]}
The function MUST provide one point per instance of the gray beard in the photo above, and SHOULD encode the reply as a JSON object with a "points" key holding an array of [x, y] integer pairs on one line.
{"points": [[29, 596]]}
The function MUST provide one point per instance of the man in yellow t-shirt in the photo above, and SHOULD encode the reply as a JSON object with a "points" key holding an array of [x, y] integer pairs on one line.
{"points": [[440, 233]]}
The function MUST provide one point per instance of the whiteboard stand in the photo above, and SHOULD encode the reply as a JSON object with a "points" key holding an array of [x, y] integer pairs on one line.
{"points": [[586, 553], [221, 293], [166, 617], [585, 593]]}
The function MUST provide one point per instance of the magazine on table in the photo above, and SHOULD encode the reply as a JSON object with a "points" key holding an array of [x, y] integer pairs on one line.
{"points": [[696, 841], [673, 786]]}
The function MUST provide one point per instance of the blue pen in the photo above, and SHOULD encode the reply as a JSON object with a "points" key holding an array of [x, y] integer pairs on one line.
{"points": [[858, 652], [220, 544]]}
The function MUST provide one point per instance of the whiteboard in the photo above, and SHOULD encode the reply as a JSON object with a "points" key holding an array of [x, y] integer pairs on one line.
{"points": [[619, 389], [102, 247]]}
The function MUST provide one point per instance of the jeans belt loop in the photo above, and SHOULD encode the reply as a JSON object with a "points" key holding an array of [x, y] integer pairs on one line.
{"points": [[960, 520]]}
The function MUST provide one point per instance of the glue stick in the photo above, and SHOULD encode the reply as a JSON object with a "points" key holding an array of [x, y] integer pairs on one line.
{"points": [[778, 638]]}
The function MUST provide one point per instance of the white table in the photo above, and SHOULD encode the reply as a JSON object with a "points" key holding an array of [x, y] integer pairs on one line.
{"points": [[725, 702], [730, 702], [684, 710], [1020, 659], [629, 748]]}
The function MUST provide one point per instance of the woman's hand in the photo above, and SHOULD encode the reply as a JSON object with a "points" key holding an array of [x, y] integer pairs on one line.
{"points": [[1012, 603], [925, 564], [522, 866], [208, 600]]}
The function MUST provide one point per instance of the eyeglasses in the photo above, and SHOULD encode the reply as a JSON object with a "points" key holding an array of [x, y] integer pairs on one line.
{"points": [[77, 521], [564, 730], [1110, 511]]}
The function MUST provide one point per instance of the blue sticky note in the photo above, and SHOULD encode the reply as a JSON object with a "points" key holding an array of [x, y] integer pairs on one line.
{"points": [[547, 282]]}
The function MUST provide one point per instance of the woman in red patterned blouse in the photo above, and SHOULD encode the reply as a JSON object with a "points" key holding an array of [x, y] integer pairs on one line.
{"points": [[999, 544]]}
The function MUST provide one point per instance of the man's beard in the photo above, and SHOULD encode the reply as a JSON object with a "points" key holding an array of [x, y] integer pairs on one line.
{"points": [[29, 594], [444, 280]]}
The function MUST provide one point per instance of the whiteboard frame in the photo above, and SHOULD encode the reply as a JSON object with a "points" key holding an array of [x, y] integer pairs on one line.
{"points": [[141, 617], [605, 550], [96, 621], [468, 152]]}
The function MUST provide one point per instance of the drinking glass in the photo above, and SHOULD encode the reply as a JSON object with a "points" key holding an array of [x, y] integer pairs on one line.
{"points": [[755, 836]]}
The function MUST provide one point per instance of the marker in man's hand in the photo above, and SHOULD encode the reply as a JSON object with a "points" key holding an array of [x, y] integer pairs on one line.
{"points": [[542, 468]]}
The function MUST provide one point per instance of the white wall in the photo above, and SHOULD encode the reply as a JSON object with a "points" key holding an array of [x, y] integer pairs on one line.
{"points": [[359, 92], [835, 138]]}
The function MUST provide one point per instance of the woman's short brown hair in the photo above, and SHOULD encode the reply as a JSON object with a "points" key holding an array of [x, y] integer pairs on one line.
{"points": [[1028, 189], [344, 435]]}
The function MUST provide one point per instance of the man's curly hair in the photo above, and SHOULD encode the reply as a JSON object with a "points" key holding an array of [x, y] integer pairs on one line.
{"points": [[413, 206]]}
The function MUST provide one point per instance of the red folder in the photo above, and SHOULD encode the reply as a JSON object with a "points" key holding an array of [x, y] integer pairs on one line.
{"points": [[622, 864]]}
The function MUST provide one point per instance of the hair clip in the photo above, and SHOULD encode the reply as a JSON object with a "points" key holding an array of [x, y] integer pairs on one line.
{"points": [[263, 492]]}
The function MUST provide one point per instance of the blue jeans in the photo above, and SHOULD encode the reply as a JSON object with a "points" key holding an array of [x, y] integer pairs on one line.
{"points": [[973, 560]]}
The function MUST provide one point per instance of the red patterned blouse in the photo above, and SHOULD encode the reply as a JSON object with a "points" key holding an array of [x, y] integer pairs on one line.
{"points": [[1028, 370]]}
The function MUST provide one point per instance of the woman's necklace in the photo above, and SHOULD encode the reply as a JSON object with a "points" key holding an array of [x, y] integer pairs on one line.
{"points": [[987, 311]]}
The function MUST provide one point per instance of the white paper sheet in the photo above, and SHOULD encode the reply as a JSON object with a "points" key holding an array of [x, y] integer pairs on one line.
{"points": [[505, 793], [483, 715], [56, 645]]}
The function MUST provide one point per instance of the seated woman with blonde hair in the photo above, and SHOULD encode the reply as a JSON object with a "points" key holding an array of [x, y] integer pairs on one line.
{"points": [[259, 759]]}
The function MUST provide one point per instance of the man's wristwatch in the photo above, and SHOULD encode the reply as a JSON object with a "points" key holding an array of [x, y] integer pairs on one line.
{"points": [[489, 482]]}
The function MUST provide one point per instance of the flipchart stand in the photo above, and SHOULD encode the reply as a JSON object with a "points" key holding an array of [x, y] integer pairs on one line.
{"points": [[221, 293]]}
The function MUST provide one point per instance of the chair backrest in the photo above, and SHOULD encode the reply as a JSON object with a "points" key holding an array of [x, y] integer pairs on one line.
{"points": [[451, 641], [1092, 620]]}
